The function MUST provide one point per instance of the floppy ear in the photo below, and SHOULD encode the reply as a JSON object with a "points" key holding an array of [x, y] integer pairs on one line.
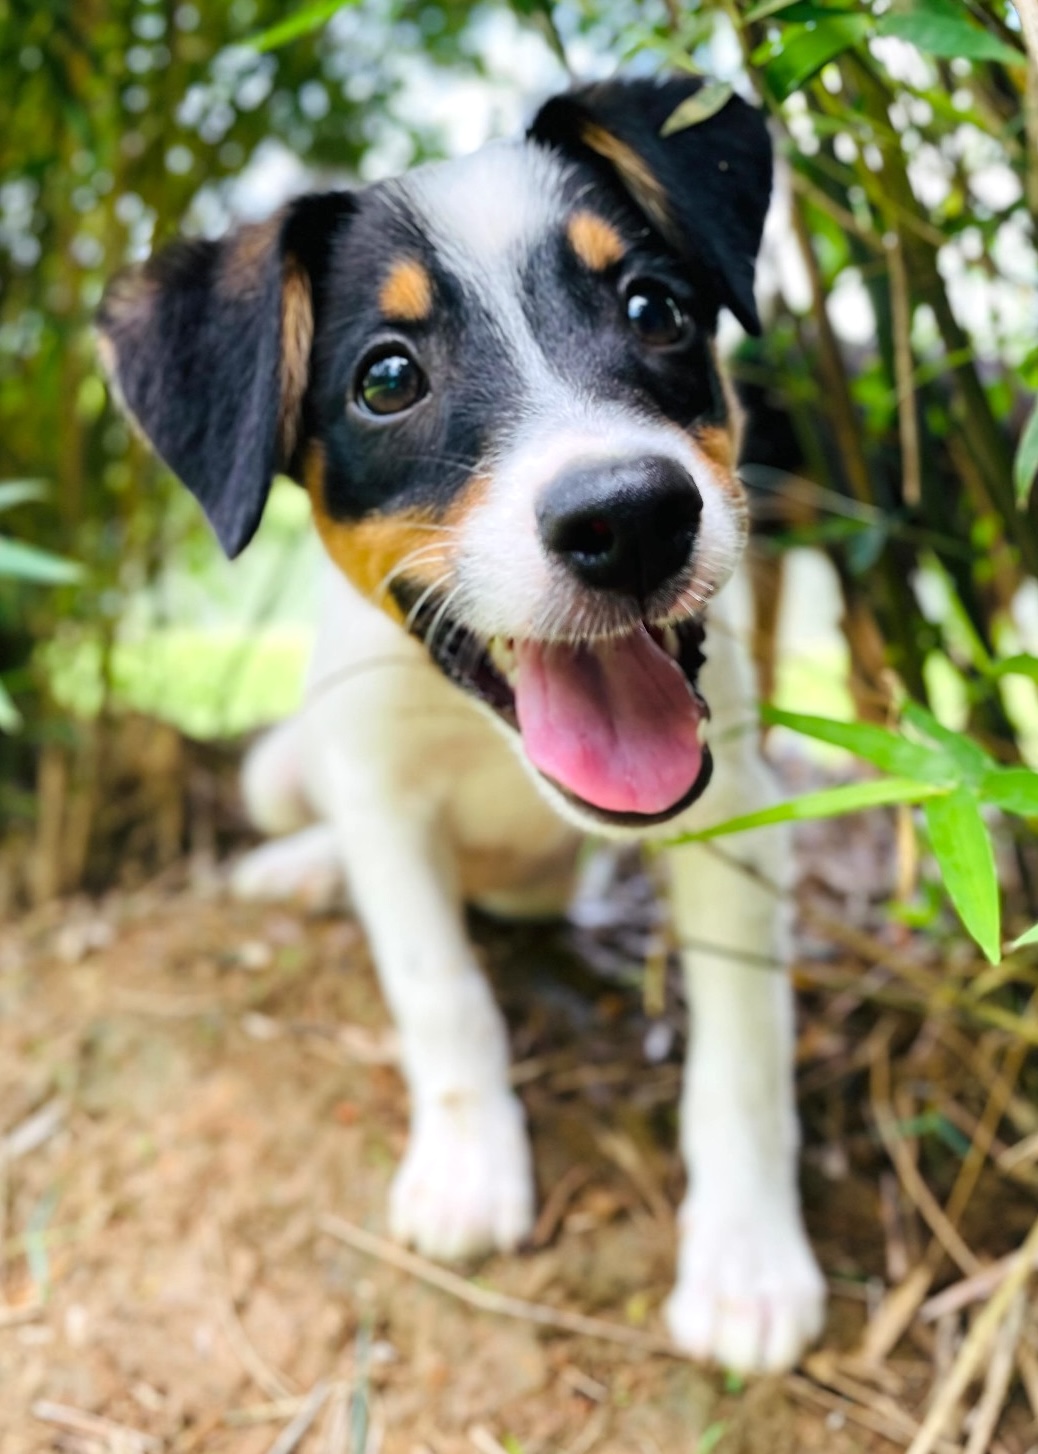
{"points": [[705, 187], [208, 344]]}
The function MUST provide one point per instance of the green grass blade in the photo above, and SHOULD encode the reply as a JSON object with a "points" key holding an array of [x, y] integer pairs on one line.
{"points": [[960, 842], [885, 750], [829, 803]]}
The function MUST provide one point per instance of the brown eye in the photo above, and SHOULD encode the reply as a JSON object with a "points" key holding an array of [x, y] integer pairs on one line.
{"points": [[390, 384], [655, 314]]}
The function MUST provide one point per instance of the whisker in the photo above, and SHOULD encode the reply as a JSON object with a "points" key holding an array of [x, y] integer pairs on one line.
{"points": [[421, 555], [415, 611]]}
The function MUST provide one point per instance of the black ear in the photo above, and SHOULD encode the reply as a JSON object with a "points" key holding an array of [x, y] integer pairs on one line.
{"points": [[208, 344], [705, 187]]}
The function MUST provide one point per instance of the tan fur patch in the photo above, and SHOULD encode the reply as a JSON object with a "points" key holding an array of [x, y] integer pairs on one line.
{"points": [[248, 253], [369, 552], [297, 336], [407, 293], [716, 442], [634, 173], [596, 242]]}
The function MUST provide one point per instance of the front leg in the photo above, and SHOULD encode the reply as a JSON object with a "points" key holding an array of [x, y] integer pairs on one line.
{"points": [[466, 1182], [749, 1293]]}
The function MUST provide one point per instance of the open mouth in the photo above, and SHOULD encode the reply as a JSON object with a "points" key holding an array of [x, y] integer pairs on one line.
{"points": [[616, 724]]}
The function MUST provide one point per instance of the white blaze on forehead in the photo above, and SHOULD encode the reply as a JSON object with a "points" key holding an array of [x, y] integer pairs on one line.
{"points": [[491, 207]]}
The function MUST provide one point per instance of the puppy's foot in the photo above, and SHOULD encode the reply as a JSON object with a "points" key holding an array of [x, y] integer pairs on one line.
{"points": [[303, 868], [749, 1293], [466, 1183]]}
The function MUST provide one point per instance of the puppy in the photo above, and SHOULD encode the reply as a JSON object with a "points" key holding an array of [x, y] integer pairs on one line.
{"points": [[497, 380]]}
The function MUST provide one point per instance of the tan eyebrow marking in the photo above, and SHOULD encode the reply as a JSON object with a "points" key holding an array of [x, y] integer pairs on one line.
{"points": [[407, 292], [596, 242]]}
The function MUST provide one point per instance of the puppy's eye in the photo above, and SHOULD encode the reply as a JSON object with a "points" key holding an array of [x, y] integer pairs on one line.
{"points": [[654, 313], [390, 384]]}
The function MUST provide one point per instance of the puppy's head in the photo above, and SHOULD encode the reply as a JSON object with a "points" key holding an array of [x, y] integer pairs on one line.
{"points": [[496, 377]]}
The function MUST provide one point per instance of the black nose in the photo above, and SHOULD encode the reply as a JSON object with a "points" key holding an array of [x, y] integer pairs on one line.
{"points": [[624, 525]]}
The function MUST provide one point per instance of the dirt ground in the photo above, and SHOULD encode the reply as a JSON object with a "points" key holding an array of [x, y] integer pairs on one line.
{"points": [[191, 1087]]}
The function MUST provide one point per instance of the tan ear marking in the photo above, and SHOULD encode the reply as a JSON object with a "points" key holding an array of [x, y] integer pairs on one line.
{"points": [[297, 336], [406, 294], [596, 242], [241, 273], [634, 173]]}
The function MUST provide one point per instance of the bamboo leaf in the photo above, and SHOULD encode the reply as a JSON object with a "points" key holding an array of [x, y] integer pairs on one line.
{"points": [[960, 842], [805, 49], [10, 717], [28, 563], [829, 803], [968, 756], [707, 101], [304, 22], [943, 28], [885, 750], [1031, 937], [1021, 665], [21, 492], [1025, 467], [1013, 789]]}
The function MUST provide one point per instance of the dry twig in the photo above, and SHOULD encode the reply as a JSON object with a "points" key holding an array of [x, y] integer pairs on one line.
{"points": [[967, 1363], [93, 1426], [488, 1301]]}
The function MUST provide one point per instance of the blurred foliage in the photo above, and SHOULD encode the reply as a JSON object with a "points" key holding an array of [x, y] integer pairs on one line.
{"points": [[899, 348]]}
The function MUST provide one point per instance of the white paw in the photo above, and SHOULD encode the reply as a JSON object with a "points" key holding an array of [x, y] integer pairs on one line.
{"points": [[303, 868], [749, 1293], [466, 1183]]}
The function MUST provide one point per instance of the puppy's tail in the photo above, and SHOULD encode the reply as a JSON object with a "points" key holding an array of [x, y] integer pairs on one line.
{"points": [[272, 781]]}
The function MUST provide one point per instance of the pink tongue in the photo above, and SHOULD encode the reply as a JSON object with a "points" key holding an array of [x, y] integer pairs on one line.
{"points": [[616, 724]]}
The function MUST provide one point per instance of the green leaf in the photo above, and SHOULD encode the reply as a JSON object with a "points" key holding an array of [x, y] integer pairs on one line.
{"points": [[706, 102], [711, 1436], [794, 10], [968, 756], [885, 750], [1013, 789], [20, 492], [10, 717], [829, 803], [943, 28], [960, 842], [1031, 937], [304, 22], [805, 49], [1025, 467], [1015, 666], [27, 563]]}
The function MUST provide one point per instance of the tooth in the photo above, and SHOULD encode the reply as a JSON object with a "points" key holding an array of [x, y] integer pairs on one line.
{"points": [[701, 729], [502, 654], [670, 642]]}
